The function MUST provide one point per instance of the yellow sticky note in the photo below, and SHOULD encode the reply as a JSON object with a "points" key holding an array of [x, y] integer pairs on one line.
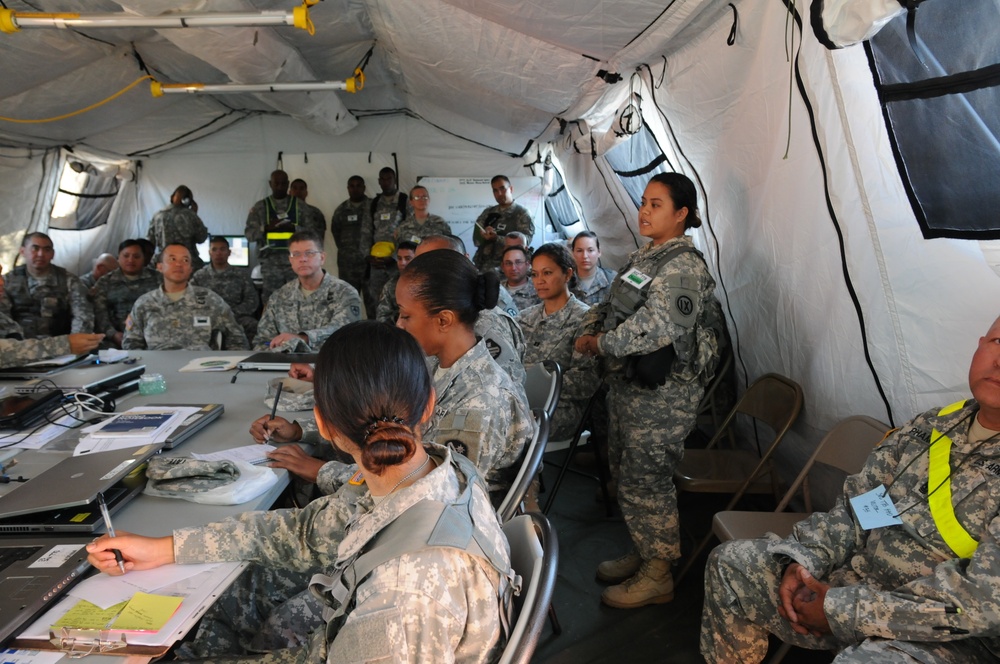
{"points": [[147, 613], [85, 615]]}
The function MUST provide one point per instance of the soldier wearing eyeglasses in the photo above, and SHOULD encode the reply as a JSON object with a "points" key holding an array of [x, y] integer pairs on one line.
{"points": [[303, 313]]}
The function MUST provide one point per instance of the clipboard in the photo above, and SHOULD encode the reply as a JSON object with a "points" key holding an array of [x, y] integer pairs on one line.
{"points": [[200, 592]]}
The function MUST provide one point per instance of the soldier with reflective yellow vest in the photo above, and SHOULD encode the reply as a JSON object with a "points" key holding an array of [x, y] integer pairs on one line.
{"points": [[271, 222], [918, 585]]}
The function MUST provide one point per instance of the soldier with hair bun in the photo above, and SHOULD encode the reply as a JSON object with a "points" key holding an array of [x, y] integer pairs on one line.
{"points": [[659, 333], [426, 588]]}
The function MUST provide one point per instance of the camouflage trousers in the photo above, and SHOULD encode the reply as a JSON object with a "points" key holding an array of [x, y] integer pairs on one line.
{"points": [[377, 278], [352, 271], [264, 616], [249, 325], [275, 271], [741, 608], [647, 429]]}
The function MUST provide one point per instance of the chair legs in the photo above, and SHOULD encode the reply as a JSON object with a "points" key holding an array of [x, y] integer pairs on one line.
{"points": [[602, 474]]}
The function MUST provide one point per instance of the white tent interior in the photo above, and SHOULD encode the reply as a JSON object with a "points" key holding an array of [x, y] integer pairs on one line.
{"points": [[802, 197]]}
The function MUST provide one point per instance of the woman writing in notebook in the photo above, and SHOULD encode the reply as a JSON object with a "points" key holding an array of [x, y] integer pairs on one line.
{"points": [[373, 393]]}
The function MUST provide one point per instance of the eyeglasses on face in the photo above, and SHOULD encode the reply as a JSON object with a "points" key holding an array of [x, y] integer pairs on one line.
{"points": [[306, 254], [420, 198]]}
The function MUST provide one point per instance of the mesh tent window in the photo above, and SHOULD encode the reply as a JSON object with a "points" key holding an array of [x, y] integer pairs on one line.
{"points": [[636, 160], [86, 194], [942, 121], [559, 207]]}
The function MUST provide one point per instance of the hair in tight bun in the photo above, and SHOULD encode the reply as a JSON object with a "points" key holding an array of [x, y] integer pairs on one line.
{"points": [[446, 280], [372, 387]]}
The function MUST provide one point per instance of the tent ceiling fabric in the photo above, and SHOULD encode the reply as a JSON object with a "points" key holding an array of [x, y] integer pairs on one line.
{"points": [[497, 73]]}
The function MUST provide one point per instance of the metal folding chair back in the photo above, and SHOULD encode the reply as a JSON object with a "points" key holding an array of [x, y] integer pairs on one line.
{"points": [[542, 385], [531, 463], [534, 555]]}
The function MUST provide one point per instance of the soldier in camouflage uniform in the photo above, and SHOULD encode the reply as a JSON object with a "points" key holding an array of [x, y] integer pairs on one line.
{"points": [[515, 265], [923, 590], [387, 211], [179, 224], [422, 600], [270, 223], [387, 308], [311, 308], [550, 329], [657, 333], [300, 190], [419, 223], [17, 351], [103, 264], [179, 316], [496, 221], [346, 223], [45, 299], [593, 281], [497, 327], [231, 284], [116, 292]]}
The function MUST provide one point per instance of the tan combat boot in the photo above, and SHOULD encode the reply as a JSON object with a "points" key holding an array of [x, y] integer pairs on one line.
{"points": [[619, 569], [652, 584]]}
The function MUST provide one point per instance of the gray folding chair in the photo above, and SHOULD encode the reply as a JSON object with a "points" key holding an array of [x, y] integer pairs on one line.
{"points": [[513, 502], [772, 400], [846, 447], [542, 385], [534, 555]]}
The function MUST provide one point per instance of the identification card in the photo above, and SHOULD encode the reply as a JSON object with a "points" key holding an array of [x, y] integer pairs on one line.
{"points": [[352, 217], [875, 509], [636, 279], [202, 321]]}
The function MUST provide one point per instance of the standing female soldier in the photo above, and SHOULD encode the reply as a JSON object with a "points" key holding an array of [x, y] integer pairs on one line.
{"points": [[660, 331]]}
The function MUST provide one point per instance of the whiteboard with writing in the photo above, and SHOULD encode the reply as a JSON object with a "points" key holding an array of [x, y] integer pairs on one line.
{"points": [[460, 201]]}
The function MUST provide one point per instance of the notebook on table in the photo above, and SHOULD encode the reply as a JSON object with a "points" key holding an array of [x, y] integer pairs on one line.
{"points": [[34, 507], [44, 368], [207, 414], [267, 361], [99, 378]]}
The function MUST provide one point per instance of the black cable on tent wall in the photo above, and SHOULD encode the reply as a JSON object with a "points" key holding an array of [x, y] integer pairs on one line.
{"points": [[836, 223], [708, 219], [417, 116], [148, 151]]}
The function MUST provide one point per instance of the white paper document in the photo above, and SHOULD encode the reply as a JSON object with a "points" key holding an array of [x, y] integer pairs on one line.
{"points": [[92, 441]]}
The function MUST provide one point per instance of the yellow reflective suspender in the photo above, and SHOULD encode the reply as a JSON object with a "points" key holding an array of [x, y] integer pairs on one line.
{"points": [[939, 486]]}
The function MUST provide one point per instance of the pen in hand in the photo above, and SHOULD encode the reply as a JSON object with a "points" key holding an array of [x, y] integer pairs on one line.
{"points": [[111, 530], [274, 409]]}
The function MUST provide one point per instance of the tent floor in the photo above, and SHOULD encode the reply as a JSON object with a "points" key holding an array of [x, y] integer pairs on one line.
{"points": [[593, 632]]}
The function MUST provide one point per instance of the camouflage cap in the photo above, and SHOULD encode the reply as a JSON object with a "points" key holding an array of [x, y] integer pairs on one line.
{"points": [[295, 394], [175, 476]]}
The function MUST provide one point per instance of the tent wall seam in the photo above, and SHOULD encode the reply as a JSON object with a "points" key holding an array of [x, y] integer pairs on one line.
{"points": [[887, 291], [672, 135], [848, 282]]}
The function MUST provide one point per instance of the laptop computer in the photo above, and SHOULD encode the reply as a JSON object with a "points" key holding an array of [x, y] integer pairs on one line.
{"points": [[193, 424], [23, 411], [268, 361], [44, 368], [100, 378], [35, 507], [34, 573]]}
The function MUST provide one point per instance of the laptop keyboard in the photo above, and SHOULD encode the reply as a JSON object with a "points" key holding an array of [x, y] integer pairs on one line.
{"points": [[12, 554]]}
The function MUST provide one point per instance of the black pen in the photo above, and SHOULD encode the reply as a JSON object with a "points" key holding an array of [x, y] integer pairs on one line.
{"points": [[111, 530], [274, 409]]}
